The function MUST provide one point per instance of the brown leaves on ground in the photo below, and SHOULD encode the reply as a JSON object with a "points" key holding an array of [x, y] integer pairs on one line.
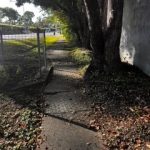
{"points": [[19, 127], [121, 110]]}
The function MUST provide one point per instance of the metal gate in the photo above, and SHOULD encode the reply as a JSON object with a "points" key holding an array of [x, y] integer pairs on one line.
{"points": [[22, 55]]}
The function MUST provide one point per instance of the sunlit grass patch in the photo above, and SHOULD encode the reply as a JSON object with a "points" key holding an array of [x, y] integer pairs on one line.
{"points": [[82, 57], [83, 69], [50, 40], [15, 43], [16, 46]]}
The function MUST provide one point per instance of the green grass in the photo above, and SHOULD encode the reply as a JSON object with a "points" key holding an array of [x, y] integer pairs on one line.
{"points": [[23, 54], [82, 57], [51, 40], [21, 58], [15, 45]]}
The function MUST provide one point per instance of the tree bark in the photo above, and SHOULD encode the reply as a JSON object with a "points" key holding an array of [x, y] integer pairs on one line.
{"points": [[93, 14], [105, 22], [113, 34]]}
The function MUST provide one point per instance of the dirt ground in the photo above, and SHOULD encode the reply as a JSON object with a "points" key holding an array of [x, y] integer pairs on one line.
{"points": [[121, 109]]}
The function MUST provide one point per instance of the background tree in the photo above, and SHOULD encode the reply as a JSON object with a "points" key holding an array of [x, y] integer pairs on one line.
{"points": [[27, 18], [1, 14], [10, 14]]}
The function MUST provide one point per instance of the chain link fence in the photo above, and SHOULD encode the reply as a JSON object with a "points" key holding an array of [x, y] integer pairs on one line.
{"points": [[22, 55]]}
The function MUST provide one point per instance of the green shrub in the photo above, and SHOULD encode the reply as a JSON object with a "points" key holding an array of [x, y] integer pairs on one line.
{"points": [[68, 34], [81, 56]]}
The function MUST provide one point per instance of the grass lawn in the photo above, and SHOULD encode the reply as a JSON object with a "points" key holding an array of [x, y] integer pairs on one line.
{"points": [[22, 58], [50, 40]]}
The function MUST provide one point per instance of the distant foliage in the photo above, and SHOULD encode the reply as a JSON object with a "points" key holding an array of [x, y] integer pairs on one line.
{"points": [[10, 14], [65, 25], [15, 29], [27, 17]]}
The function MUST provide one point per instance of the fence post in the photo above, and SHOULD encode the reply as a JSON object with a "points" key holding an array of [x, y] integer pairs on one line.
{"points": [[1, 48], [45, 61], [39, 52]]}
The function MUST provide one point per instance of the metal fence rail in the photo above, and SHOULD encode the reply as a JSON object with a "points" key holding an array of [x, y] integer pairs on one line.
{"points": [[22, 55]]}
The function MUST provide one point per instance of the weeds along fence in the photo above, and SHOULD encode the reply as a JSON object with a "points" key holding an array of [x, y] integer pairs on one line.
{"points": [[22, 55]]}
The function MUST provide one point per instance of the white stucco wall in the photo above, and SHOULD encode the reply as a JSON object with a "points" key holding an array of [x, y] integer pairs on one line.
{"points": [[135, 39]]}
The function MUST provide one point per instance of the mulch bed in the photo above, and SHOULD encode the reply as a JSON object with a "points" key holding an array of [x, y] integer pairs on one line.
{"points": [[121, 109]]}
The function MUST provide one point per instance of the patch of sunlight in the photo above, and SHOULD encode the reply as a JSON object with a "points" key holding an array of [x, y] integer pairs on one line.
{"points": [[15, 43], [50, 40], [127, 49], [69, 74], [127, 55], [20, 46], [83, 69], [31, 41], [81, 56]]}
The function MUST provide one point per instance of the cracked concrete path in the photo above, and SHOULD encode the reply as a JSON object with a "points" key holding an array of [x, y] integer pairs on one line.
{"points": [[62, 135], [63, 95], [65, 103]]}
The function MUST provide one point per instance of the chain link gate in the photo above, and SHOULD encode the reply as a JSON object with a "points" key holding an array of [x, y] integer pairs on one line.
{"points": [[22, 55]]}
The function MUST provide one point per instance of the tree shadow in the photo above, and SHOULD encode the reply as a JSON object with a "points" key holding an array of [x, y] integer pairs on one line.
{"points": [[121, 107]]}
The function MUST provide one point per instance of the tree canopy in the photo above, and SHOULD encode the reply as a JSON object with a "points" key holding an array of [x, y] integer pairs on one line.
{"points": [[11, 14], [27, 18], [95, 25]]}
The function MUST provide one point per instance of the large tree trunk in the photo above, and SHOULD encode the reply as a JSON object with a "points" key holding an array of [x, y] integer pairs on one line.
{"points": [[85, 32], [113, 27], [93, 14], [105, 22]]}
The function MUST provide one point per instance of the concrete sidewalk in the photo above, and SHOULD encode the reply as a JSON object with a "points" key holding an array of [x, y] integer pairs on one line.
{"points": [[63, 95], [62, 135], [64, 100]]}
